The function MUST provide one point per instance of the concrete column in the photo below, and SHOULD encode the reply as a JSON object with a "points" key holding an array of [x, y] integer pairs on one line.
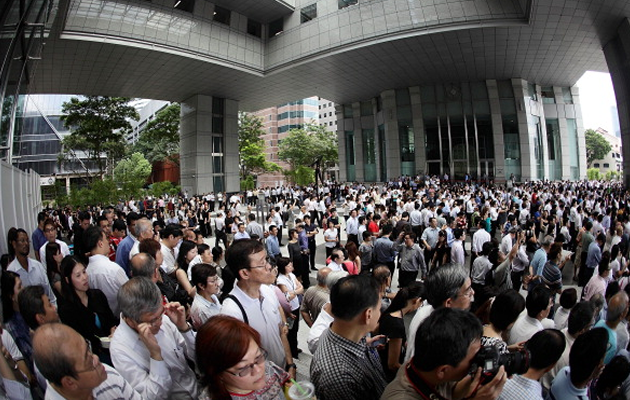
{"points": [[497, 129], [358, 142], [341, 144], [390, 121], [196, 167], [575, 93], [526, 138], [617, 53], [418, 128]]}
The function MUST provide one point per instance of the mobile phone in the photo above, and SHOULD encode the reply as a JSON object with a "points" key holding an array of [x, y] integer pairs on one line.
{"points": [[380, 341]]}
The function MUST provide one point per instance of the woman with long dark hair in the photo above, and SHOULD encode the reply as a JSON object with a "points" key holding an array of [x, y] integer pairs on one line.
{"points": [[85, 310], [392, 325], [53, 266], [233, 364]]}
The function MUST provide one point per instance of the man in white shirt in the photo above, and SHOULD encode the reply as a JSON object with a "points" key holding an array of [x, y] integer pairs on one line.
{"points": [[50, 232], [171, 235], [58, 349], [103, 273], [352, 227], [143, 229], [458, 255], [151, 345], [538, 304], [254, 302], [336, 261], [31, 272]]}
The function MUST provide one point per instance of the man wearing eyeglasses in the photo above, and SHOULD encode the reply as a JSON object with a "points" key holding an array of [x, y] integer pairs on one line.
{"points": [[50, 232], [65, 359], [152, 344], [254, 302]]}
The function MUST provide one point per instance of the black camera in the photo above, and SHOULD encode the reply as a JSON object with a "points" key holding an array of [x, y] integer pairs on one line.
{"points": [[490, 360]]}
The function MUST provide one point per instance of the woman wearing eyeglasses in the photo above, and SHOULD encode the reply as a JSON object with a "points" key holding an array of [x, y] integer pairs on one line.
{"points": [[233, 365], [206, 303]]}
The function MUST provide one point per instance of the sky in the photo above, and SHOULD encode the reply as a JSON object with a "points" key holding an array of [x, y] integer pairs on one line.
{"points": [[597, 97]]}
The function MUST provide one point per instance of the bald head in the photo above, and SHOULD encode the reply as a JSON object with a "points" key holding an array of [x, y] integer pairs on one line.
{"points": [[617, 307], [321, 276], [143, 264], [55, 351]]}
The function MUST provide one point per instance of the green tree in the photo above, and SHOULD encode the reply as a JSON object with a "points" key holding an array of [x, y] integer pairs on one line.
{"points": [[158, 189], [131, 174], [251, 146], [592, 174], [159, 140], [311, 146], [97, 126], [597, 147]]}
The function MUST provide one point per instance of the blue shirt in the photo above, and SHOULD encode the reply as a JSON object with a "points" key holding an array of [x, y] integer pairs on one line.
{"points": [[538, 261], [122, 253], [521, 388], [611, 351], [594, 255], [563, 389], [38, 239], [273, 248]]}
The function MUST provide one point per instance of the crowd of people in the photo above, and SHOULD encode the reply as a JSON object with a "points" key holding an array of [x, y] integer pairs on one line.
{"points": [[509, 292]]}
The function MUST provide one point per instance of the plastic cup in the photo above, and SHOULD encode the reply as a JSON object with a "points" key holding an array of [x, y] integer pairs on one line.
{"points": [[307, 392]]}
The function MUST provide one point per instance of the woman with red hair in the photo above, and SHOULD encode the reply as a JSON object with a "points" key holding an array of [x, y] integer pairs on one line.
{"points": [[233, 365]]}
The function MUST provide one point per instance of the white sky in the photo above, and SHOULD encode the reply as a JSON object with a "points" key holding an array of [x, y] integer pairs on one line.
{"points": [[597, 97]]}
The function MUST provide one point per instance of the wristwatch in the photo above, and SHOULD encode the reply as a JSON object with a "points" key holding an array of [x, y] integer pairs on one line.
{"points": [[289, 366]]}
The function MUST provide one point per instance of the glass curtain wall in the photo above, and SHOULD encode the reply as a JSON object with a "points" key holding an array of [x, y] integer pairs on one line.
{"points": [[510, 129], [350, 156], [458, 130], [406, 133], [553, 149], [574, 158], [369, 155]]}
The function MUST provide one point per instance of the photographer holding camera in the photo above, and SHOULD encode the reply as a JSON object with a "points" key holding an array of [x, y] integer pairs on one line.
{"points": [[446, 343]]}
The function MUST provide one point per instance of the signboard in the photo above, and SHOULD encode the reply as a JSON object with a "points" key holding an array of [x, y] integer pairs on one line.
{"points": [[47, 181]]}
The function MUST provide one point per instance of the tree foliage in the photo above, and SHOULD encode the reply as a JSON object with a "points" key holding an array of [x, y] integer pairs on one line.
{"points": [[158, 189], [159, 141], [131, 174], [251, 147], [97, 125], [597, 147], [307, 146]]}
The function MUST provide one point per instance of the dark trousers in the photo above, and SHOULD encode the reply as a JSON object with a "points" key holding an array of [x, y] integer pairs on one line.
{"points": [[312, 248], [585, 275], [292, 336], [353, 238], [391, 265], [280, 236], [517, 279], [406, 277], [304, 272]]}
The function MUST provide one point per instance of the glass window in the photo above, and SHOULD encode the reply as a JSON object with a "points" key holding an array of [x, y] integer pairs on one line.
{"points": [[217, 124], [350, 159], [254, 28], [566, 95], [217, 164], [606, 165], [548, 97], [218, 105], [347, 110], [276, 27], [217, 144], [485, 137], [217, 182], [366, 108], [382, 141], [308, 13], [369, 155], [184, 5], [432, 139], [345, 3], [596, 165], [221, 15]]}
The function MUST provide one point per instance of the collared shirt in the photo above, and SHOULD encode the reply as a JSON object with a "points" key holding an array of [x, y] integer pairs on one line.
{"points": [[241, 235], [596, 284], [314, 299], [334, 267], [430, 235], [65, 251], [594, 255], [108, 277], [38, 238], [480, 268], [415, 218], [538, 261], [201, 309], [423, 313], [170, 378], [612, 340], [506, 244], [272, 245], [263, 314], [122, 252], [524, 328], [384, 249], [563, 389], [115, 387], [254, 228], [321, 324], [411, 258], [169, 258], [457, 252], [479, 238], [36, 275], [352, 226], [343, 369], [521, 261], [562, 362], [521, 388], [303, 240]]}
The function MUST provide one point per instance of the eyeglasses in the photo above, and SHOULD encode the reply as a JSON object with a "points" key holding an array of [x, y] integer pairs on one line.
{"points": [[247, 370], [266, 266], [94, 360], [50, 230], [154, 320]]}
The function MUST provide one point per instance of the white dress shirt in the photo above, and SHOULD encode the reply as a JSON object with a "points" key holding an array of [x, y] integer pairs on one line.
{"points": [[65, 251], [169, 257], [321, 324], [525, 327], [479, 238], [36, 275], [422, 314], [107, 276], [170, 378]]}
